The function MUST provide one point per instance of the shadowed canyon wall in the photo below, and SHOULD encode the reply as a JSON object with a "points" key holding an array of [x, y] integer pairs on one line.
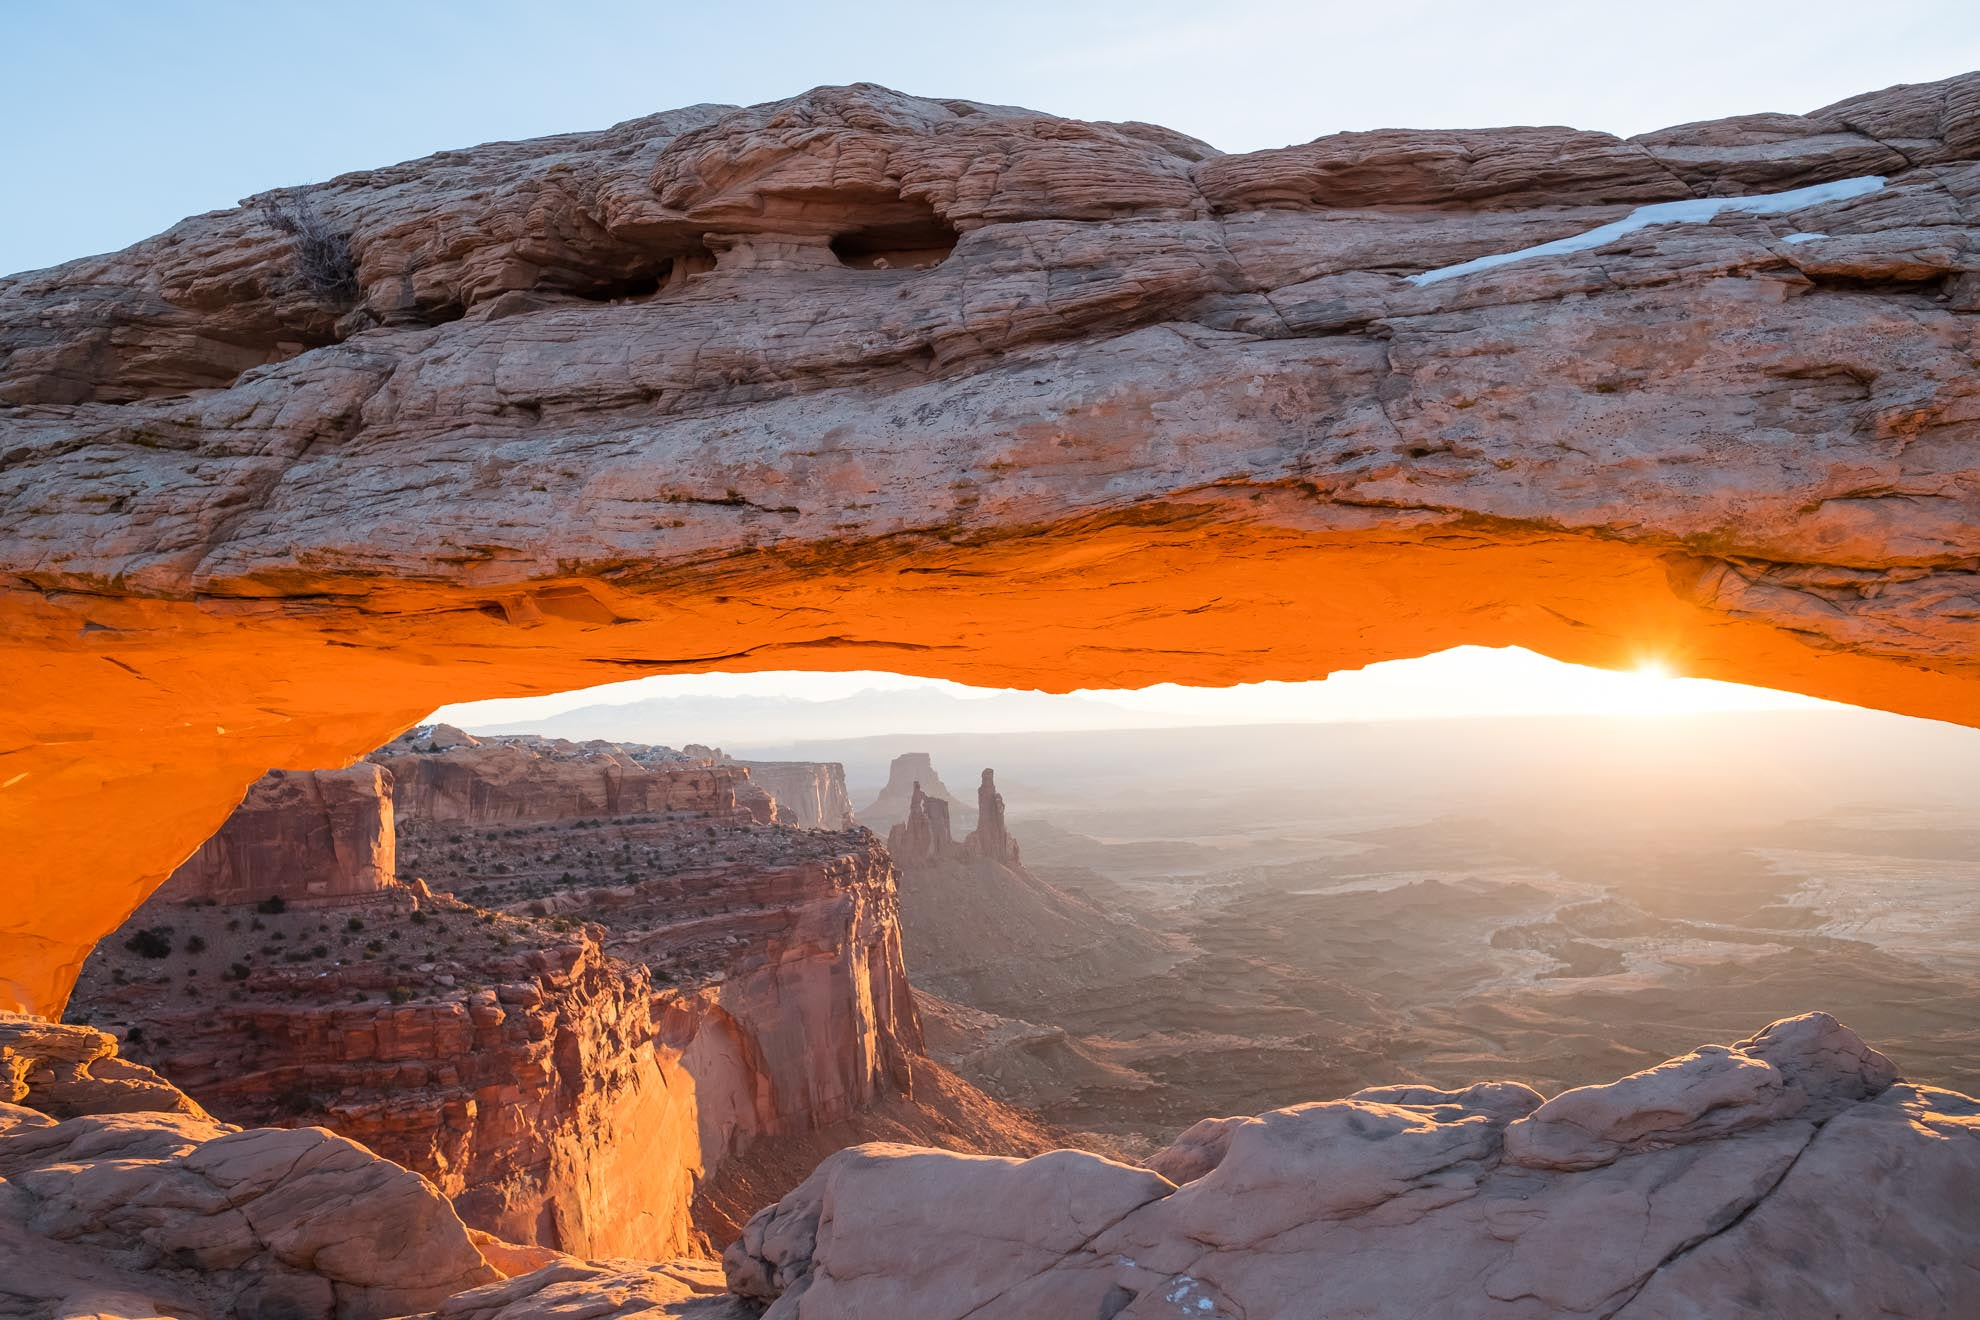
{"points": [[860, 380]]}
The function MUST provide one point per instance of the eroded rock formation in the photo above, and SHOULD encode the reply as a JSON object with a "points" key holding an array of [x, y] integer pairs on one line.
{"points": [[297, 834], [981, 928], [154, 1209], [861, 380], [808, 793], [513, 1063], [908, 775], [1736, 1180], [647, 985], [443, 776]]}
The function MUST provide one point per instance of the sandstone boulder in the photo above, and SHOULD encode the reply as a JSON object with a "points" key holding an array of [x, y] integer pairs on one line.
{"points": [[1409, 1202], [608, 1290], [62, 1071], [134, 1212], [1807, 1067]]}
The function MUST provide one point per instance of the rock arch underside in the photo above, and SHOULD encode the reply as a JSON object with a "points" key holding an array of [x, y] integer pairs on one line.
{"points": [[863, 380]]}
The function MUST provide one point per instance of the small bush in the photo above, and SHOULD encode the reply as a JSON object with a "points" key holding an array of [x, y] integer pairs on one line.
{"points": [[419, 916], [401, 995], [323, 259], [135, 1036], [272, 905], [354, 925], [238, 971], [195, 944], [153, 943]]}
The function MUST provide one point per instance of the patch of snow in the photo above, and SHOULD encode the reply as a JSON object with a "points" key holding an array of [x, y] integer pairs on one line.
{"points": [[1691, 211], [1802, 238]]}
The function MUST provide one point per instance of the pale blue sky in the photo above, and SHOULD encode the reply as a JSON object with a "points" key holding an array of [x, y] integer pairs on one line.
{"points": [[122, 117]]}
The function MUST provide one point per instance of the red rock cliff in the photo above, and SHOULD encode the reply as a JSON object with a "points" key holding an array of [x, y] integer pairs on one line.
{"points": [[808, 793], [444, 775], [510, 1062], [298, 834], [628, 1000]]}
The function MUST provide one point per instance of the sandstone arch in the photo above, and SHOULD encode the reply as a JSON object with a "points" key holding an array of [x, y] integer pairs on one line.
{"points": [[1160, 414]]}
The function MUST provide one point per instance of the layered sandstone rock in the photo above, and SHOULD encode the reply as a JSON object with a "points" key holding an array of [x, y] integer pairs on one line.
{"points": [[638, 1003], [776, 951], [444, 776], [512, 1063], [865, 380], [1714, 1188], [808, 793], [611, 1290], [299, 834], [140, 1212]]}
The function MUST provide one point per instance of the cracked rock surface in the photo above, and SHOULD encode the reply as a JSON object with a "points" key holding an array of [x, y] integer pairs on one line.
{"points": [[1790, 1175]]}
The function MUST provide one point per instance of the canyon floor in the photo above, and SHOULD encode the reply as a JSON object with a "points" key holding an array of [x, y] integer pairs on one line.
{"points": [[1309, 931]]}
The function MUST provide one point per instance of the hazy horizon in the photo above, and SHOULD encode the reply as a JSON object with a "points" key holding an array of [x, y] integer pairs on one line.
{"points": [[776, 707]]}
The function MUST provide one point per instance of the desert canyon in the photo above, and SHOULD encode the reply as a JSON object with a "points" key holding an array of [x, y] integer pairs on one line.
{"points": [[310, 1008]]}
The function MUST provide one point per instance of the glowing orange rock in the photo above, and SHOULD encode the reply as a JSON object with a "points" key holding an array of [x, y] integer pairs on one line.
{"points": [[865, 381]]}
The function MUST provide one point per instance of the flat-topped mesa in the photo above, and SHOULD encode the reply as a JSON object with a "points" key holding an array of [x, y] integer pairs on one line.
{"points": [[908, 775], [299, 834], [860, 380], [445, 776], [629, 1005]]}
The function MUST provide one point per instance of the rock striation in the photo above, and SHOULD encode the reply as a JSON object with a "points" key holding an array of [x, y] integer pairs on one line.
{"points": [[859, 379], [299, 834], [513, 1064], [1735, 1180], [626, 1007], [808, 793], [444, 776]]}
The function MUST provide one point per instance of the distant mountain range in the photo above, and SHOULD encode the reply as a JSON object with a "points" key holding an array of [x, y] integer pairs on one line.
{"points": [[735, 722]]}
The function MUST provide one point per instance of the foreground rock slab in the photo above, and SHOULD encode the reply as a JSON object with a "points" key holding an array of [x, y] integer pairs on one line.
{"points": [[1789, 1175], [146, 1213]]}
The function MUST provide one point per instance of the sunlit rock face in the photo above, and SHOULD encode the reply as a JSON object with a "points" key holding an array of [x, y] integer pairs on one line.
{"points": [[860, 380], [646, 981], [443, 776], [1734, 1181], [303, 834]]}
